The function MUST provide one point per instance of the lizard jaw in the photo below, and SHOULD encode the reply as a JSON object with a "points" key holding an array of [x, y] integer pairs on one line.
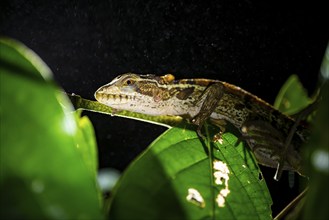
{"points": [[112, 95]]}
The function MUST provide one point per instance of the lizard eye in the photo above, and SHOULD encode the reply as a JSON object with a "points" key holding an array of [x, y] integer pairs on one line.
{"points": [[129, 82]]}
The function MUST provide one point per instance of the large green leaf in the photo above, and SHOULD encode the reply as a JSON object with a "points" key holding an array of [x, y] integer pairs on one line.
{"points": [[161, 182], [44, 171]]}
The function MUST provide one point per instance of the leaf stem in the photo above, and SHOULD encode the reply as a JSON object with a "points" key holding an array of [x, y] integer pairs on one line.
{"points": [[211, 159], [94, 106]]}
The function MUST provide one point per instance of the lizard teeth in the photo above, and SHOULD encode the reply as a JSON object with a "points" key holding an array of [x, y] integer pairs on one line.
{"points": [[114, 97]]}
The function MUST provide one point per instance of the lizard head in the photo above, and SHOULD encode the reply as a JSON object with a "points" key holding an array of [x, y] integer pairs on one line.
{"points": [[138, 93]]}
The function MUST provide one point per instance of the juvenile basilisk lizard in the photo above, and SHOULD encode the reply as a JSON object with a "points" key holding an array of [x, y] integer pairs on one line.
{"points": [[264, 128]]}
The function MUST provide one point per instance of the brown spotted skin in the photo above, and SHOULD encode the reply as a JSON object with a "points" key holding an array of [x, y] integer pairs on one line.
{"points": [[240, 106], [190, 98]]}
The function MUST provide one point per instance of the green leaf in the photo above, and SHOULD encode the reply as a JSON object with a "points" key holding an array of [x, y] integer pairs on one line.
{"points": [[317, 155], [86, 143], [43, 173], [158, 184], [291, 99], [292, 96]]}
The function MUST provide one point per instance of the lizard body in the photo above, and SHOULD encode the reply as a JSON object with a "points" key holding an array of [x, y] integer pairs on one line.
{"points": [[198, 100]]}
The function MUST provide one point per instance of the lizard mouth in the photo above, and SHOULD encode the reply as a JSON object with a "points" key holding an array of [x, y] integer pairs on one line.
{"points": [[108, 97], [113, 98]]}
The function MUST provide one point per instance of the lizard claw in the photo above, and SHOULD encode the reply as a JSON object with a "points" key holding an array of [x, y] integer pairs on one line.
{"points": [[199, 132], [278, 172]]}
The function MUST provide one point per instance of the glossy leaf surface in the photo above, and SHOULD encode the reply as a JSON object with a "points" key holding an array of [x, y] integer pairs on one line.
{"points": [[159, 183], [44, 172]]}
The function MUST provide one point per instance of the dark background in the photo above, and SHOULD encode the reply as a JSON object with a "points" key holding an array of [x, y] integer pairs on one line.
{"points": [[253, 44]]}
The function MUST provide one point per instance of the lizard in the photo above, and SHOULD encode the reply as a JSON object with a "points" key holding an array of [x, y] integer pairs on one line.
{"points": [[263, 127]]}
